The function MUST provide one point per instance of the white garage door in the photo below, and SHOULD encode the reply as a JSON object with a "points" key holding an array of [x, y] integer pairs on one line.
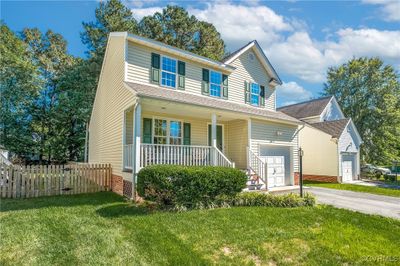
{"points": [[276, 170], [347, 168]]}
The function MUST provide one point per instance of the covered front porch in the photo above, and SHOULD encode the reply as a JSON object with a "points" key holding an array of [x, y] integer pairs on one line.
{"points": [[180, 134], [171, 133]]}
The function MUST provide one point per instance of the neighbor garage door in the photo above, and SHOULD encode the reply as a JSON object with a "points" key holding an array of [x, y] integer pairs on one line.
{"points": [[348, 167]]}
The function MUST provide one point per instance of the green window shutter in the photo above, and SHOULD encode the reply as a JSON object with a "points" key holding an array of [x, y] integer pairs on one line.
{"points": [[155, 68], [205, 86], [155, 60], [186, 133], [181, 75], [225, 86], [247, 92], [147, 130], [181, 68], [262, 96]]}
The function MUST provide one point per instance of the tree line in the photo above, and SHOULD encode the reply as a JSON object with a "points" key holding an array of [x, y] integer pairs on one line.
{"points": [[47, 94]]}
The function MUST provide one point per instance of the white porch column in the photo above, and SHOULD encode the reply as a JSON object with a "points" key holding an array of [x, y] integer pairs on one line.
{"points": [[214, 137], [136, 150]]}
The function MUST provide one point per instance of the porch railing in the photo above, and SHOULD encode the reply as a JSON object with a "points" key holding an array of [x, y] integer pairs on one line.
{"points": [[182, 155], [128, 156], [257, 165]]}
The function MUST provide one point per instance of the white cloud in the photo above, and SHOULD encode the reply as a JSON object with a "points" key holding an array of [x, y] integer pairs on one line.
{"points": [[139, 13], [241, 23], [390, 9], [291, 92], [309, 59], [287, 41]]}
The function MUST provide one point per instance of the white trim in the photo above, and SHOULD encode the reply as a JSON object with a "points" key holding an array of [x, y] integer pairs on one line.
{"points": [[223, 134], [220, 85], [263, 58], [176, 73], [176, 51], [126, 60], [326, 106]]}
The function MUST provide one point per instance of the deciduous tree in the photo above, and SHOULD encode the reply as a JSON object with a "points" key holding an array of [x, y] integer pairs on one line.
{"points": [[369, 92]]}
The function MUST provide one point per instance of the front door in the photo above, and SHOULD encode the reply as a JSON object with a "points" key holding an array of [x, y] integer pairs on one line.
{"points": [[347, 168], [220, 144], [276, 170]]}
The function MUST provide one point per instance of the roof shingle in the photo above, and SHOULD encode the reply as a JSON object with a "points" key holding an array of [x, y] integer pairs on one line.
{"points": [[333, 128], [306, 109], [200, 100]]}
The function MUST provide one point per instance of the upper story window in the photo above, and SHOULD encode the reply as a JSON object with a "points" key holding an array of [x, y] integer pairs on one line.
{"points": [[255, 94], [215, 83], [168, 72]]}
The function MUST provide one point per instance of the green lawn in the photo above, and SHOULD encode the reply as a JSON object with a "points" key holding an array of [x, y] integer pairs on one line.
{"points": [[358, 188], [104, 229]]}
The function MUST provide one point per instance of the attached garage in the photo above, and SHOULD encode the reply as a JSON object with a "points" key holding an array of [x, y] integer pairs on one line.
{"points": [[278, 159]]}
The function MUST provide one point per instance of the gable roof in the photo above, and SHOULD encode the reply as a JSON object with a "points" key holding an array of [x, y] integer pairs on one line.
{"points": [[173, 50], [333, 128], [199, 100], [306, 109], [261, 56]]}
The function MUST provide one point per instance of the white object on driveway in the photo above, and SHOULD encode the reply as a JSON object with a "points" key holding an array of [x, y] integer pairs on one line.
{"points": [[358, 201]]}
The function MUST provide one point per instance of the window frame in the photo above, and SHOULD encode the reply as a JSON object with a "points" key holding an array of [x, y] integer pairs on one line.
{"points": [[169, 72], [211, 83], [168, 136], [258, 94]]}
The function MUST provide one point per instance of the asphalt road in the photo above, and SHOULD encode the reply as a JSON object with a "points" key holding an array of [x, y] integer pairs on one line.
{"points": [[357, 201]]}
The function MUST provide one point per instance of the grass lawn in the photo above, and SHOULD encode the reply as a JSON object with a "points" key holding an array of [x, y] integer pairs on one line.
{"points": [[103, 229], [358, 188]]}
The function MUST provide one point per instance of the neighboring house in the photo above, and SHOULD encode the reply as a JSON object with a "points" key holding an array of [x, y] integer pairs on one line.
{"points": [[330, 141], [157, 104]]}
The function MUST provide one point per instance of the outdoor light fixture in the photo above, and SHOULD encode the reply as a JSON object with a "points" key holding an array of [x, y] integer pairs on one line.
{"points": [[279, 133]]}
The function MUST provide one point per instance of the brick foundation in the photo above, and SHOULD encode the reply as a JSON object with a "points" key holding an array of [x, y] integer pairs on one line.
{"points": [[321, 178], [117, 184], [121, 186], [296, 178]]}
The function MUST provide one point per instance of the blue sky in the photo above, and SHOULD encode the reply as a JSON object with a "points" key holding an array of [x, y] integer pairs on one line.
{"points": [[301, 38]]}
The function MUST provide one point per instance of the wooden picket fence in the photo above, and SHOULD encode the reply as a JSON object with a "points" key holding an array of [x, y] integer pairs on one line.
{"points": [[47, 180]]}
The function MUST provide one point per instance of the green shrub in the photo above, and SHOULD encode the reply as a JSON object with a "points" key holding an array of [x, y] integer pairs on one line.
{"points": [[189, 186], [268, 200]]}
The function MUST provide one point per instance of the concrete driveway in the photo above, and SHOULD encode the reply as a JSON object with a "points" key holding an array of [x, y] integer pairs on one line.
{"points": [[357, 201]]}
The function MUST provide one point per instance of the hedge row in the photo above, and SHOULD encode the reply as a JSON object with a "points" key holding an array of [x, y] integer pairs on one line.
{"points": [[189, 186]]}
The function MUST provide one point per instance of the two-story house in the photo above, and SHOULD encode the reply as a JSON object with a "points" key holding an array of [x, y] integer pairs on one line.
{"points": [[330, 141], [157, 104]]}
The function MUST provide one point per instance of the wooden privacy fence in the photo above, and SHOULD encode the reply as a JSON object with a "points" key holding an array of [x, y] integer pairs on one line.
{"points": [[47, 180]]}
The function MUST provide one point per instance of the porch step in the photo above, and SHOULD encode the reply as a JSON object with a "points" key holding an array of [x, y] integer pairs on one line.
{"points": [[253, 181]]}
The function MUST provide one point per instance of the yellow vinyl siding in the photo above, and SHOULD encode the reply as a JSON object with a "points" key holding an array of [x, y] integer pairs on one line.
{"points": [[320, 152], [251, 71], [112, 98], [265, 133], [237, 142], [139, 63]]}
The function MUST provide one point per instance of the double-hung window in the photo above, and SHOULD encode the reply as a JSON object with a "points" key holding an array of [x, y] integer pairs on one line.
{"points": [[167, 132], [255, 94], [215, 83], [168, 72], [175, 132], [160, 131]]}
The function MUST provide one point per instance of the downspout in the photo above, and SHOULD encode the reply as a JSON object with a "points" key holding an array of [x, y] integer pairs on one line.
{"points": [[86, 159]]}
